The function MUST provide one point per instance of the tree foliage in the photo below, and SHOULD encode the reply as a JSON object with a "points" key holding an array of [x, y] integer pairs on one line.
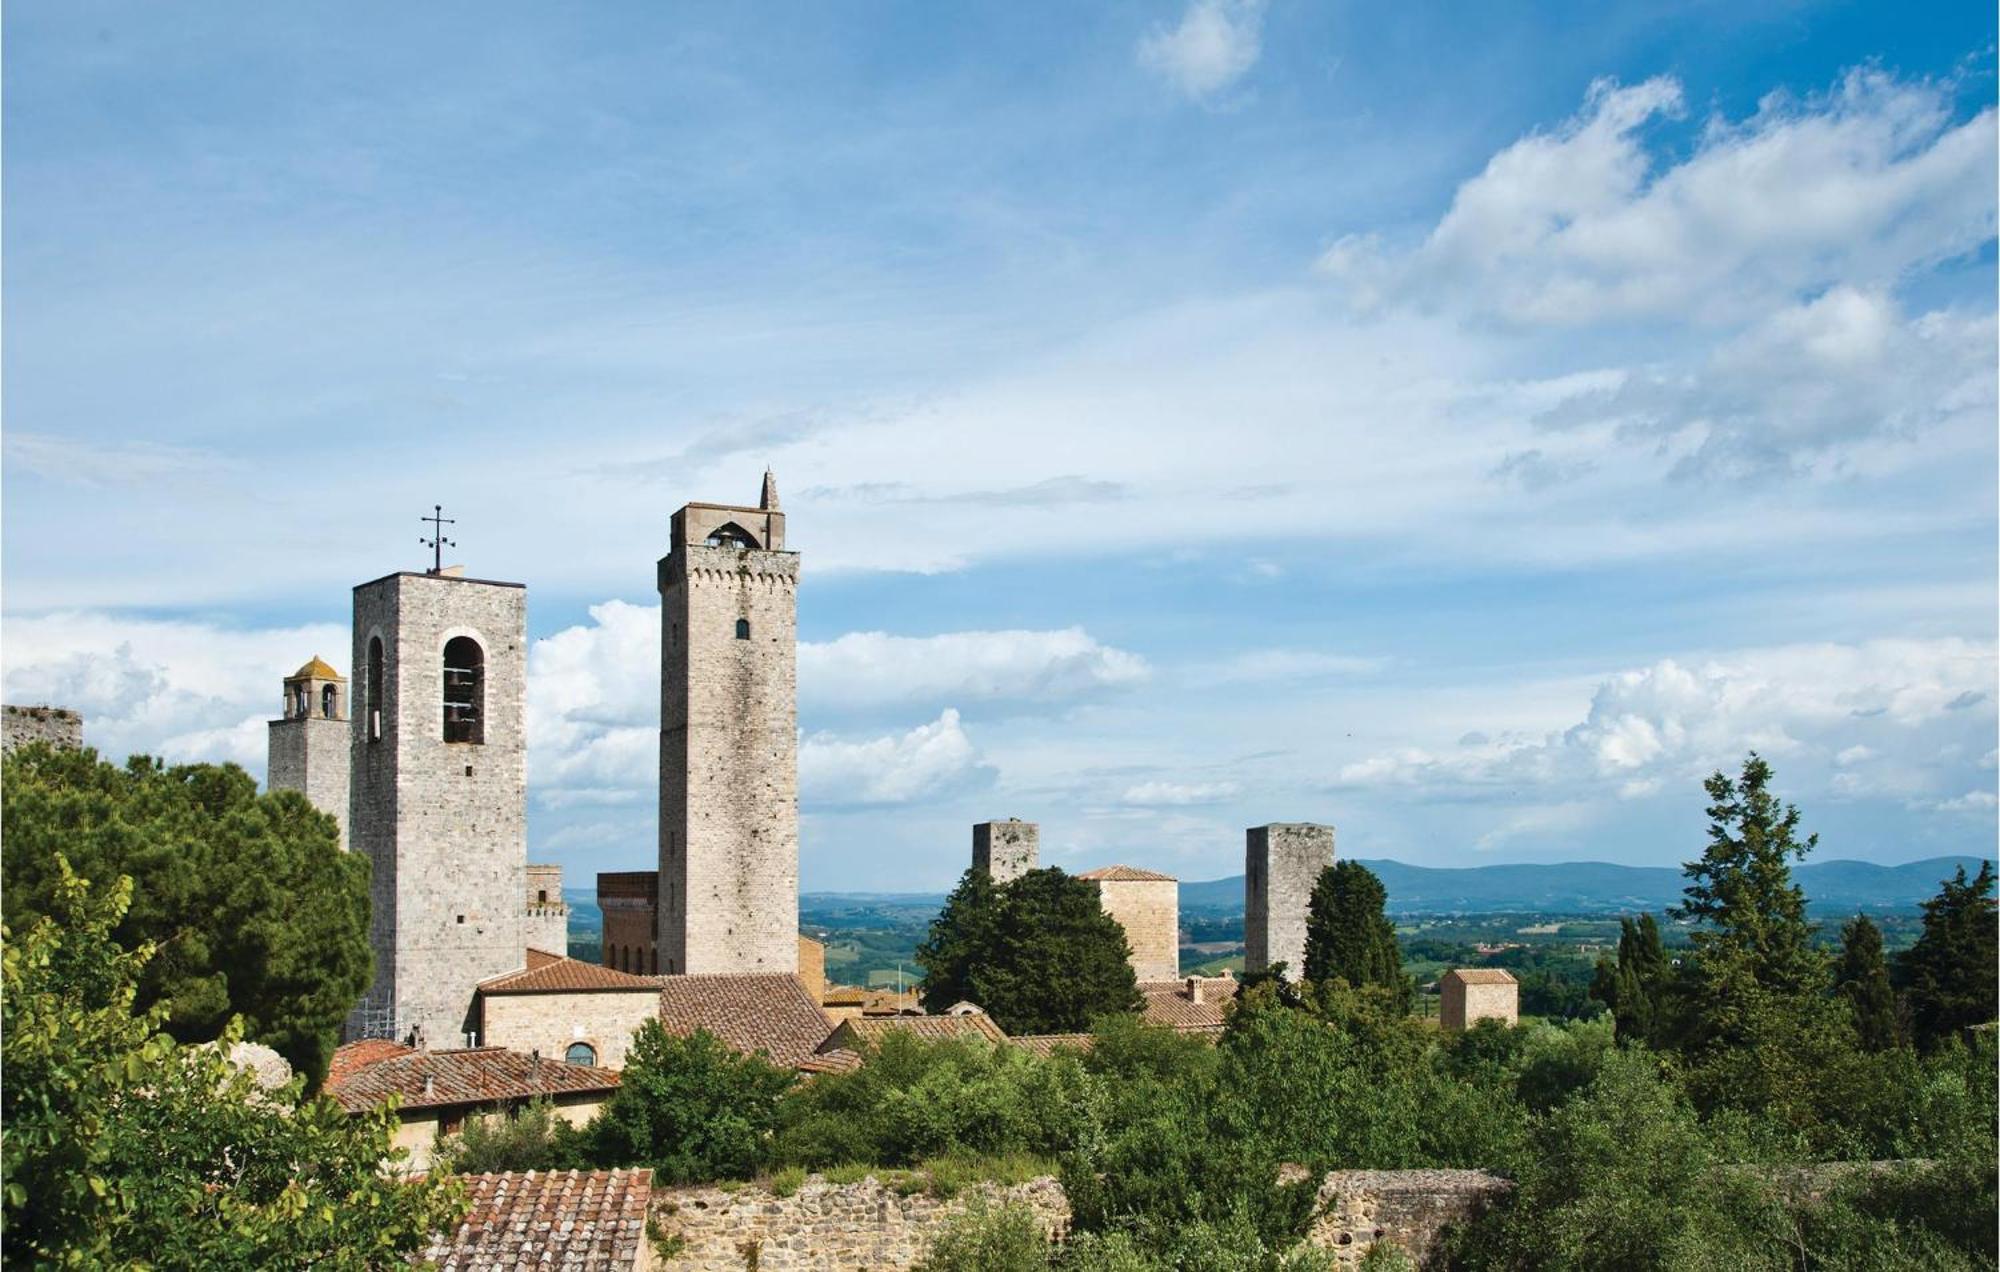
{"points": [[249, 903], [1949, 973], [1349, 936], [123, 1148], [1862, 980], [1038, 953], [534, 1137], [690, 1107], [1638, 985]]}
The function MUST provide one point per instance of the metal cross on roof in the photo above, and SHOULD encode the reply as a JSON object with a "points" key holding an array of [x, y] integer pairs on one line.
{"points": [[437, 543]]}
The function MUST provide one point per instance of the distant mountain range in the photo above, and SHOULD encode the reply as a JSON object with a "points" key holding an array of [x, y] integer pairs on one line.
{"points": [[1578, 887]]}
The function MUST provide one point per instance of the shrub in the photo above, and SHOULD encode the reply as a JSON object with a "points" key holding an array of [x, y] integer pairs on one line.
{"points": [[533, 1137], [691, 1108], [1005, 1239]]}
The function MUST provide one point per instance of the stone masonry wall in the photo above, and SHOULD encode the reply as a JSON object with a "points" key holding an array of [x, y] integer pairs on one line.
{"points": [[1281, 862], [310, 755], [1006, 850], [444, 823], [630, 902], [871, 1225], [1149, 910], [57, 726], [1462, 1006], [729, 829], [549, 1023]]}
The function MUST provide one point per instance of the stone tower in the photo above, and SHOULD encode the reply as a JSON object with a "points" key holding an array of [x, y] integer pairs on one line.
{"points": [[309, 744], [729, 802], [439, 777], [1281, 863], [1005, 850]]}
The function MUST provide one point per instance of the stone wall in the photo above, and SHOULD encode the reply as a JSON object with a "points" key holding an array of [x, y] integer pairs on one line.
{"points": [[550, 1022], [872, 1224], [309, 754], [1006, 850], [57, 726], [630, 901], [1462, 1005], [1149, 911], [1281, 862]]}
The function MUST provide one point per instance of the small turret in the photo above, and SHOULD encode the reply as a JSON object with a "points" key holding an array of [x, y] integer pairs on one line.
{"points": [[768, 500]]}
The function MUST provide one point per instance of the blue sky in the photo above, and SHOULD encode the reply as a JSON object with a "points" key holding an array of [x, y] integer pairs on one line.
{"points": [[1467, 426]]}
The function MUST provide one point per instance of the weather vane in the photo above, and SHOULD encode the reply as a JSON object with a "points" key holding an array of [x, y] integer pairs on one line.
{"points": [[437, 543]]}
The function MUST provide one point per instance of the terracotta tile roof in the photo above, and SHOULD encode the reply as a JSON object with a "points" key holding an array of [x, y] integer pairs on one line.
{"points": [[844, 996], [479, 1075], [1481, 976], [1168, 1003], [1046, 1045], [838, 1060], [1126, 874], [887, 1002], [355, 1055], [548, 973], [770, 1012], [575, 1221], [872, 1029]]}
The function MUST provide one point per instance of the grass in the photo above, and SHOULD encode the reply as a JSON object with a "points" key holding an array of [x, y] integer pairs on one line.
{"points": [[941, 1177], [788, 1181]]}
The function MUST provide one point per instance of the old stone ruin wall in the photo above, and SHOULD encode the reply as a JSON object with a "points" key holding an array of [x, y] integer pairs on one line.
{"points": [[57, 726], [874, 1224]]}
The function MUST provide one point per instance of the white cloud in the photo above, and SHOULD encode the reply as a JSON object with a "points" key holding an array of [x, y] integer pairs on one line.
{"points": [[1970, 802], [1179, 794], [875, 668], [928, 762], [1283, 665], [1859, 186], [1881, 712], [1215, 44]]}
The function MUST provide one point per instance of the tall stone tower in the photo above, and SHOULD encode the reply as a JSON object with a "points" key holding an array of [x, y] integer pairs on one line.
{"points": [[309, 744], [1005, 850], [729, 799], [1281, 863], [439, 779]]}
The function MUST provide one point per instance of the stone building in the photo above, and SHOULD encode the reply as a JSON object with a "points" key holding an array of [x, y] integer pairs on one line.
{"points": [[438, 780], [556, 1006], [1468, 995], [57, 726], [310, 744], [1005, 850], [630, 900], [1281, 863], [1148, 906], [729, 825], [545, 925]]}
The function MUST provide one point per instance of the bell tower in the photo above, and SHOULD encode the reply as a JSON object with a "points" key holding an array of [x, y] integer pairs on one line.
{"points": [[308, 743], [729, 804]]}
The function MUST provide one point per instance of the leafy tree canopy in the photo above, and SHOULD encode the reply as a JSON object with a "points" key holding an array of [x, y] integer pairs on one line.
{"points": [[1039, 953], [1950, 971], [251, 907], [123, 1148], [690, 1107], [1349, 936]]}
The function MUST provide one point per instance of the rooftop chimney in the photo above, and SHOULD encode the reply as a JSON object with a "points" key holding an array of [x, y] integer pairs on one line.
{"points": [[1194, 989]]}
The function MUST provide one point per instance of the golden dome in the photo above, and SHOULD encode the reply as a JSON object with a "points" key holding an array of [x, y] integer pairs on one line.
{"points": [[316, 670]]}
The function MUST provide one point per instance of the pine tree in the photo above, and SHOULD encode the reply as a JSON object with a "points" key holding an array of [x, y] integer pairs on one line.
{"points": [[958, 937], [1862, 979], [1755, 946], [1349, 936], [1949, 974]]}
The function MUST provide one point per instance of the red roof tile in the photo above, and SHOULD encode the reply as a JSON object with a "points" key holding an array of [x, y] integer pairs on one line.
{"points": [[1481, 976], [872, 1029], [1126, 874], [1168, 1003], [480, 1075], [1046, 1045], [356, 1055], [553, 974], [770, 1012], [839, 1060], [576, 1221]]}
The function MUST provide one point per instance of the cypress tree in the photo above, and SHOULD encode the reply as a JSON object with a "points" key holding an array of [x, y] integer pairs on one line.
{"points": [[1949, 973], [1862, 979], [1635, 987], [1349, 936]]}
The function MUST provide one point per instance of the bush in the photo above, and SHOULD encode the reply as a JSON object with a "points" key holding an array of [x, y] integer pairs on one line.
{"points": [[691, 1108], [1006, 1239], [533, 1137]]}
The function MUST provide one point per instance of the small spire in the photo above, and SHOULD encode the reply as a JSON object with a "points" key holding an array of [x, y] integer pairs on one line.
{"points": [[768, 501]]}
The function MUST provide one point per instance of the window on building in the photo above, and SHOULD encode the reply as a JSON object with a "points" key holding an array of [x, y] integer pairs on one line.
{"points": [[581, 1053], [730, 535], [329, 701], [464, 690], [375, 689], [541, 896], [743, 629]]}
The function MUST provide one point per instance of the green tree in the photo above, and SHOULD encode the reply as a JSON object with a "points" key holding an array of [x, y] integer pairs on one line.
{"points": [[1349, 936], [691, 1108], [250, 904], [123, 1148], [1862, 979], [1949, 974], [1039, 954], [532, 1138], [1635, 987], [1754, 943]]}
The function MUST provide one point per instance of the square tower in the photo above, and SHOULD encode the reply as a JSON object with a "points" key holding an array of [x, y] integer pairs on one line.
{"points": [[729, 798], [1005, 850], [1281, 863], [309, 745], [438, 789]]}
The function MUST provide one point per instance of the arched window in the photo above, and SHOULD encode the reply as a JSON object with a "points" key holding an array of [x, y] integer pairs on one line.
{"points": [[464, 690], [375, 689], [743, 629], [329, 701], [581, 1053], [731, 535], [656, 961]]}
